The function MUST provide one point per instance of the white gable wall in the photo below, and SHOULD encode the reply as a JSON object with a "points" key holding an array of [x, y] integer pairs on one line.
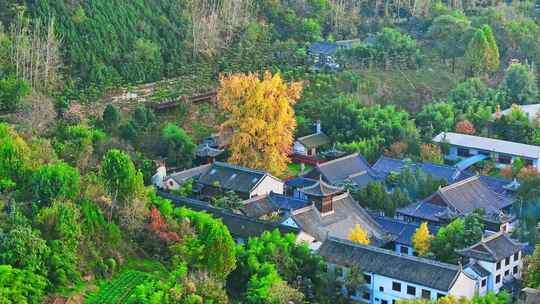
{"points": [[463, 287], [267, 185]]}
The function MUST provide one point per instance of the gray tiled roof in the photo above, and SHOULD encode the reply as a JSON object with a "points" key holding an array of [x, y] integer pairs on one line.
{"points": [[489, 144], [231, 177], [348, 167], [425, 211], [470, 194], [193, 173], [314, 140], [321, 189], [388, 263], [204, 150], [347, 214], [493, 248], [258, 206], [479, 270]]}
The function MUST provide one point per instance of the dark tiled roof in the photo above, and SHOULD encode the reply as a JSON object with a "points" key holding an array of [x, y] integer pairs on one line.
{"points": [[403, 230], [470, 194], [321, 189], [347, 214], [287, 203], [204, 150], [231, 177], [479, 270], [193, 173], [300, 182], [258, 206], [314, 140], [262, 205], [338, 170], [387, 263], [493, 248], [424, 211], [239, 225]]}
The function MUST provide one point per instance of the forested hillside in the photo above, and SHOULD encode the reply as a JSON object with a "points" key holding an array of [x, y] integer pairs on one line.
{"points": [[95, 95]]}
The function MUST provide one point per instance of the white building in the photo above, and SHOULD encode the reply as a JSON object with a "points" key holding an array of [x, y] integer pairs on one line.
{"points": [[390, 277], [218, 176], [502, 152], [494, 261]]}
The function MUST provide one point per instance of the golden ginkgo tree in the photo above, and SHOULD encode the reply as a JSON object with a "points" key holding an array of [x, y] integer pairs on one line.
{"points": [[358, 235], [260, 120], [421, 239]]}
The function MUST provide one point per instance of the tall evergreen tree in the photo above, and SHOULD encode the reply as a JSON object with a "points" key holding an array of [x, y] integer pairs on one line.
{"points": [[477, 53], [492, 62]]}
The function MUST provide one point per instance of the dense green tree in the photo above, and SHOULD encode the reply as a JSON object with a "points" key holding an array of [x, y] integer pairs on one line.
{"points": [[531, 272], [435, 118], [459, 234], [477, 54], [22, 247], [212, 248], [111, 117], [469, 90], [520, 84], [12, 91], [14, 159], [178, 147], [55, 181], [21, 286], [448, 33]]}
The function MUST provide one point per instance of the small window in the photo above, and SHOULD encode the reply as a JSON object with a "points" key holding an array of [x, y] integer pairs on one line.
{"points": [[484, 282], [505, 159], [411, 290], [507, 261], [498, 279], [384, 302], [366, 296], [376, 299], [367, 278], [394, 302], [498, 265], [515, 271], [506, 273], [381, 288], [463, 152], [426, 294], [440, 296], [516, 256], [404, 249], [396, 286], [339, 271]]}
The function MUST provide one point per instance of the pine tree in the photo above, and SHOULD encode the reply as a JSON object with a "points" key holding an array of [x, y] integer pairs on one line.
{"points": [[492, 60], [477, 53], [422, 239], [358, 235]]}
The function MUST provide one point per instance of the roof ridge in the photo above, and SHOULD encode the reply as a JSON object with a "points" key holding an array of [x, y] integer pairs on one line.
{"points": [[313, 134], [358, 174], [461, 183], [396, 254], [238, 167], [188, 170], [338, 159]]}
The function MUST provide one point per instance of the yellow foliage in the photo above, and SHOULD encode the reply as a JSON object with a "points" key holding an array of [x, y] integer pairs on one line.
{"points": [[421, 239], [358, 235], [260, 119]]}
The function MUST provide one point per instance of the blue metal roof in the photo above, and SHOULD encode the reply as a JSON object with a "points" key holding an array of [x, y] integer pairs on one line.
{"points": [[325, 48], [467, 162]]}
